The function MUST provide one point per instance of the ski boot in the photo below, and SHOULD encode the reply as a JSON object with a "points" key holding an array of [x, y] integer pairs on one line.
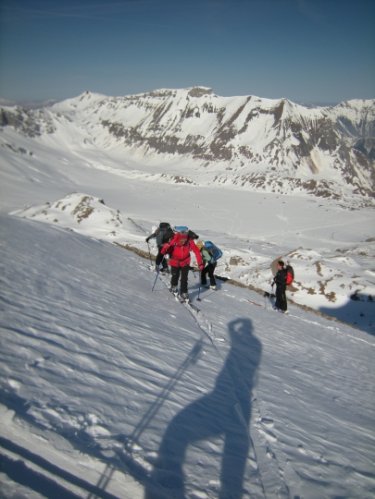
{"points": [[185, 297]]}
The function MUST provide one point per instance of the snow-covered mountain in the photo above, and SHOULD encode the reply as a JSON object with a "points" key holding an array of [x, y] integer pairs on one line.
{"points": [[248, 142]]}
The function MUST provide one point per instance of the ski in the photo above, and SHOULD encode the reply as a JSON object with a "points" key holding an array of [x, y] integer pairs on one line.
{"points": [[185, 302], [283, 312], [255, 303], [177, 296], [272, 308], [192, 306]]}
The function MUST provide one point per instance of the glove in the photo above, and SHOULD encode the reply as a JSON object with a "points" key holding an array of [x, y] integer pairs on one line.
{"points": [[201, 266], [147, 239]]}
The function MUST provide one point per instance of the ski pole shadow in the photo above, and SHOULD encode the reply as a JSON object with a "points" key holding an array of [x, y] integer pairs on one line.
{"points": [[125, 456], [43, 476], [225, 412], [190, 359]]}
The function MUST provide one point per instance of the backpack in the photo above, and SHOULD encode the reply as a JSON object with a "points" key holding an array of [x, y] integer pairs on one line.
{"points": [[214, 251], [289, 274], [164, 234], [193, 235]]}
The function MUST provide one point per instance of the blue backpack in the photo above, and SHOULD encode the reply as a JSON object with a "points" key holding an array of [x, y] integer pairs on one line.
{"points": [[214, 251]]}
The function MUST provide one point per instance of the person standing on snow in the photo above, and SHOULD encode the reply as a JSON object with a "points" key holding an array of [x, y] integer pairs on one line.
{"points": [[162, 234], [280, 281], [179, 249], [210, 255]]}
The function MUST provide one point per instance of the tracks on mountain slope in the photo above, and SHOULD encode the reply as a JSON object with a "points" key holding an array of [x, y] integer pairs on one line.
{"points": [[268, 461]]}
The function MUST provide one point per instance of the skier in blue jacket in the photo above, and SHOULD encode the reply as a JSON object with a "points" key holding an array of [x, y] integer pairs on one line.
{"points": [[210, 255]]}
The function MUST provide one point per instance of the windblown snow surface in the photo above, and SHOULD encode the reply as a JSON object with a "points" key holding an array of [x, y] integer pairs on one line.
{"points": [[111, 388]]}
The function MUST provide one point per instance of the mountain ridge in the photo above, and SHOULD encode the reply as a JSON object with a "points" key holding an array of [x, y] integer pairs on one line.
{"points": [[274, 145]]}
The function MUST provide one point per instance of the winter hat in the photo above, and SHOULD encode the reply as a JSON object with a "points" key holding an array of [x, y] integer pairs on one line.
{"points": [[182, 229]]}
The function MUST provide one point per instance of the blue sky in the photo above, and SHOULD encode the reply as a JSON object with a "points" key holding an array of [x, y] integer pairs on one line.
{"points": [[311, 51]]}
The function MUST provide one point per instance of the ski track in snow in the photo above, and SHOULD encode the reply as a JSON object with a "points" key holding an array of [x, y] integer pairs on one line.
{"points": [[269, 472]]}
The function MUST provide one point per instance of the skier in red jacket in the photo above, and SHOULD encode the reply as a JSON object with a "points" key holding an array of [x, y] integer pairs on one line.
{"points": [[178, 249]]}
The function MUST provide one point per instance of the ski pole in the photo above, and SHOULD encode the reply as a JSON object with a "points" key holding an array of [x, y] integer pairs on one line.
{"points": [[156, 277], [162, 261], [149, 252], [265, 301], [199, 289], [193, 269]]}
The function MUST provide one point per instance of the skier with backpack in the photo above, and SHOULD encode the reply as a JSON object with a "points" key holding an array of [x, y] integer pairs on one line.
{"points": [[179, 249], [162, 234], [210, 254], [280, 280]]}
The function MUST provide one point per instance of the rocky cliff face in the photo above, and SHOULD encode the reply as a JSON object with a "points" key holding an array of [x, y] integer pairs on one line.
{"points": [[252, 142]]}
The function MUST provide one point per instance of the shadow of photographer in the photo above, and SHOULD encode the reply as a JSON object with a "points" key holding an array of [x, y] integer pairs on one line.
{"points": [[225, 412]]}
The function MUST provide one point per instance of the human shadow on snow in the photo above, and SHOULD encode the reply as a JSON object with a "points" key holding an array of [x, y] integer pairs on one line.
{"points": [[225, 412]]}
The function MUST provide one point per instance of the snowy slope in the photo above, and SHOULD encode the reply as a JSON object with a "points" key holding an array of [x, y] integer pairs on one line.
{"points": [[336, 278], [111, 390]]}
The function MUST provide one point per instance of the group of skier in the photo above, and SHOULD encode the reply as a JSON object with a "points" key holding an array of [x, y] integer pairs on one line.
{"points": [[179, 242]]}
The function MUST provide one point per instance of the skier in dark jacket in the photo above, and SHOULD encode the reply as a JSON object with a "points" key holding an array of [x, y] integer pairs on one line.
{"points": [[163, 234], [280, 281]]}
